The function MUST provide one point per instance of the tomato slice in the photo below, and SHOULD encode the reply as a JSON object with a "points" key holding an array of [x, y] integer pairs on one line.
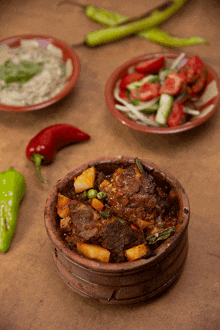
{"points": [[129, 78], [196, 63], [199, 85], [151, 66], [123, 93], [149, 91], [183, 75], [172, 84], [176, 115], [135, 93], [195, 77]]}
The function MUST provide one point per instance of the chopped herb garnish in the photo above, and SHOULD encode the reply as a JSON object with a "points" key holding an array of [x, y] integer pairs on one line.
{"points": [[121, 220], [139, 165], [21, 73], [160, 235]]}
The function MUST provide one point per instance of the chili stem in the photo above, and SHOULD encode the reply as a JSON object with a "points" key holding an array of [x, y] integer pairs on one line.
{"points": [[37, 159]]}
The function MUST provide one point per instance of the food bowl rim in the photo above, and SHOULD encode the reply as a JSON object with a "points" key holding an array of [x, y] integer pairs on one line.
{"points": [[72, 80], [122, 69], [94, 265]]}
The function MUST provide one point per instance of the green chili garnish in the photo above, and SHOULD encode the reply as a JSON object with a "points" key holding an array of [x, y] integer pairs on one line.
{"points": [[105, 214], [121, 220], [160, 235], [139, 165]]}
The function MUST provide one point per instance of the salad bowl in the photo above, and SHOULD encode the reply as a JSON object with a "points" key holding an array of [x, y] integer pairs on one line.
{"points": [[69, 66], [205, 105]]}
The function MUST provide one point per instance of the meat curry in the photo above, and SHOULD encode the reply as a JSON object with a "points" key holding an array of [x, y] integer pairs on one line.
{"points": [[117, 216]]}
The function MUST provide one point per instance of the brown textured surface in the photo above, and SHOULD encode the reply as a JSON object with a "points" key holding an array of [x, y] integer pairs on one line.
{"points": [[32, 295]]}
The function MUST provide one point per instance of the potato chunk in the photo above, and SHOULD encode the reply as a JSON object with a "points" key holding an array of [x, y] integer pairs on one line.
{"points": [[62, 205], [85, 180], [93, 251], [136, 252]]}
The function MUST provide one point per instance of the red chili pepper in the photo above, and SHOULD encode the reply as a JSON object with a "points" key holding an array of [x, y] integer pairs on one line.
{"points": [[172, 84], [129, 78], [176, 115], [151, 66], [43, 147]]}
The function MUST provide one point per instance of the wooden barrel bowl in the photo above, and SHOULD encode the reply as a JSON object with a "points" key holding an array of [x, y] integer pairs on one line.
{"points": [[127, 282]]}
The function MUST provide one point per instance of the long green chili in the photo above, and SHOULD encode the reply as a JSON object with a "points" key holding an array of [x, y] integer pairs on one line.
{"points": [[12, 190], [104, 16], [111, 34], [158, 36], [154, 34]]}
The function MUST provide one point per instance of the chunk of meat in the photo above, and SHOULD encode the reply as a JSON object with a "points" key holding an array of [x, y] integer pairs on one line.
{"points": [[65, 224], [136, 206], [131, 194], [118, 237], [86, 222]]}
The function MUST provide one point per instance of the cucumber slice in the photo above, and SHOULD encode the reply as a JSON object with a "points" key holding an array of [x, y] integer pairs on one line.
{"points": [[165, 105], [136, 84], [152, 108]]}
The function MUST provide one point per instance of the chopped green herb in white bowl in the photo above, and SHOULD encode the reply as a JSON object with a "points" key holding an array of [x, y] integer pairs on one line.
{"points": [[35, 71]]}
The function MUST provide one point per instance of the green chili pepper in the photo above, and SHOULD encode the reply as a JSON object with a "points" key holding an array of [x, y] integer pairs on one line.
{"points": [[121, 220], [160, 37], [12, 190], [103, 16], [115, 33], [139, 165], [105, 214], [154, 34], [160, 235]]}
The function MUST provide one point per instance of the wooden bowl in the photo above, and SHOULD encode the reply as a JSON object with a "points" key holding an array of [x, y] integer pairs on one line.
{"points": [[127, 282]]}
